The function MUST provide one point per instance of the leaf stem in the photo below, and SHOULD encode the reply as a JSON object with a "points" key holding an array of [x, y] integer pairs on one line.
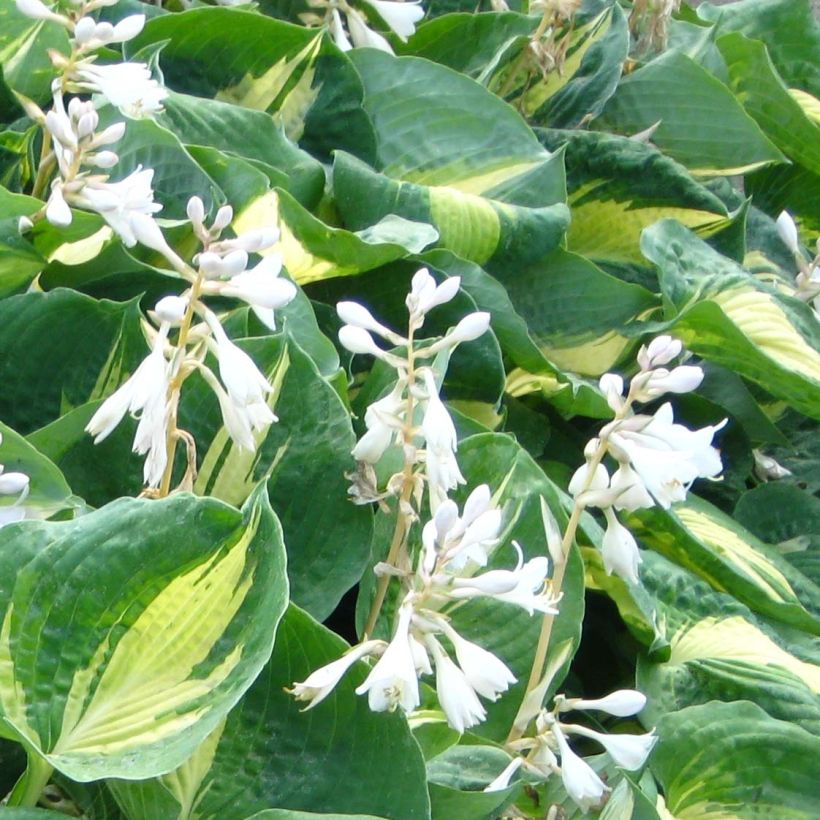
{"points": [[29, 787]]}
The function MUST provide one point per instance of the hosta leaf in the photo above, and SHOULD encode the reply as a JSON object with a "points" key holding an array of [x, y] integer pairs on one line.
{"points": [[687, 101], [727, 317], [268, 65], [304, 457], [465, 41], [338, 757], [48, 490], [720, 650], [778, 512], [162, 641], [787, 27], [710, 544], [312, 250], [574, 311], [94, 341], [577, 89], [755, 82], [478, 228], [248, 134], [492, 193], [732, 760], [618, 186], [789, 188]]}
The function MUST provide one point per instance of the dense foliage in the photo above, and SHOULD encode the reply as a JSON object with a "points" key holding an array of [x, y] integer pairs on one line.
{"points": [[409, 410]]}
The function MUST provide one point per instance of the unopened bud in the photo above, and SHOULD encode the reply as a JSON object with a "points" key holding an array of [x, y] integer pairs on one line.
{"points": [[13, 483], [171, 309], [787, 231], [659, 351]]}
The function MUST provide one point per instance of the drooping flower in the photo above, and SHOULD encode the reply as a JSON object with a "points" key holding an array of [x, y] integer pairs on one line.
{"points": [[455, 694], [628, 751], [320, 683], [393, 683], [585, 788], [503, 780], [486, 674], [383, 420], [400, 17], [441, 443], [262, 288], [620, 550]]}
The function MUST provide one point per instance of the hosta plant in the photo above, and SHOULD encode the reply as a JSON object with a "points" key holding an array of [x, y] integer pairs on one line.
{"points": [[409, 409]]}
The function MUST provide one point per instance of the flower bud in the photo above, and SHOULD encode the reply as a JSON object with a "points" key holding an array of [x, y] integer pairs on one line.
{"points": [[84, 30], [196, 210], [24, 224], [661, 350], [102, 159], [358, 340], [114, 133], [171, 309], [787, 231], [224, 217], [13, 483], [128, 28], [57, 211], [622, 703]]}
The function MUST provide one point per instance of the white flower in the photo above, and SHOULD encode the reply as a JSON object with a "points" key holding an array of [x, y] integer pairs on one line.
{"points": [[767, 469], [57, 211], [358, 340], [262, 288], [171, 309], [441, 443], [382, 419], [622, 703], [393, 682], [485, 673], [628, 751], [656, 382], [150, 379], [213, 265], [319, 684], [619, 550], [469, 328], [612, 386], [246, 386], [788, 232], [13, 483], [39, 11], [661, 350], [455, 694], [400, 17], [92, 35], [585, 788], [632, 494], [668, 457], [118, 202], [127, 86], [352, 313], [581, 480], [503, 780], [425, 294], [362, 35]]}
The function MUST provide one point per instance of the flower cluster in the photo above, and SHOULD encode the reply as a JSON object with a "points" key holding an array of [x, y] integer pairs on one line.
{"points": [[128, 86], [393, 418], [455, 547], [657, 459], [241, 389], [549, 752], [13, 484], [400, 17]]}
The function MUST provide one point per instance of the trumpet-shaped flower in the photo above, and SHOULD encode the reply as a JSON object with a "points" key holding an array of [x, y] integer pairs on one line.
{"points": [[383, 420], [400, 17], [127, 86], [628, 751], [485, 673], [441, 444], [620, 550], [622, 703], [455, 694], [320, 683], [263, 289], [393, 682], [585, 788]]}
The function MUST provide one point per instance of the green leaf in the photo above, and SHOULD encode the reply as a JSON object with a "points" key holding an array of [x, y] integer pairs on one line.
{"points": [[787, 27], [337, 757], [304, 457], [732, 759], [140, 688], [755, 82], [776, 512], [687, 101], [728, 317], [249, 134], [720, 650], [577, 89], [96, 342], [48, 490], [267, 65], [313, 251], [699, 537], [574, 311], [618, 186], [492, 193]]}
